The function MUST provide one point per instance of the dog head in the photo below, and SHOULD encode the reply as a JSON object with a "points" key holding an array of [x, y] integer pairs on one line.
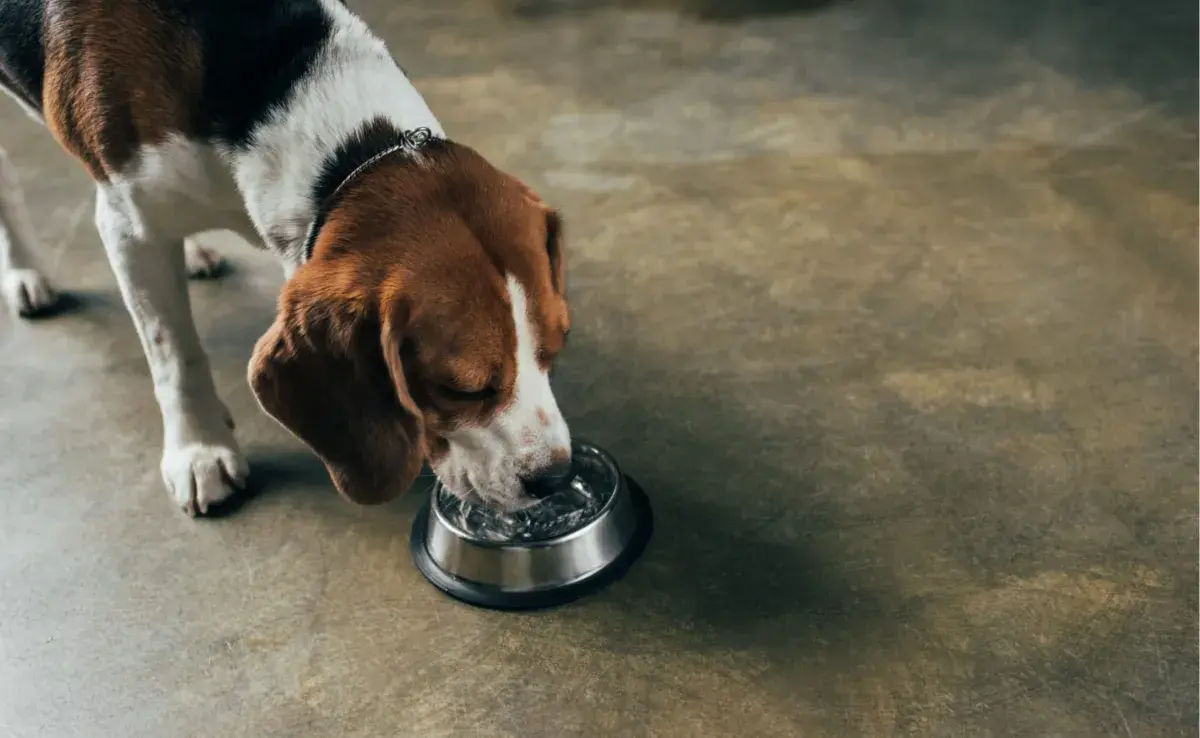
{"points": [[424, 327]]}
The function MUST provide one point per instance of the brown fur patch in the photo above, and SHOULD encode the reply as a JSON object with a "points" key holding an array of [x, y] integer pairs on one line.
{"points": [[526, 237], [399, 224], [118, 76], [326, 371], [403, 300]]}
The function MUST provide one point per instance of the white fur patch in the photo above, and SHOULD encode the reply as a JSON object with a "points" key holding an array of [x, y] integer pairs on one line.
{"points": [[490, 462], [201, 462], [353, 80], [533, 394]]}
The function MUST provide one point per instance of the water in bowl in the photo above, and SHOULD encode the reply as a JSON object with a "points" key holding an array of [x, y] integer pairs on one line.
{"points": [[570, 507]]}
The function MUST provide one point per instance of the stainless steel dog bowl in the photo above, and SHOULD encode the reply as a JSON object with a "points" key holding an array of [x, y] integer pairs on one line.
{"points": [[581, 536]]}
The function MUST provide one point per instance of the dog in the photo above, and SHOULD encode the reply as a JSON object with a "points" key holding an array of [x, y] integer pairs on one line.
{"points": [[425, 298]]}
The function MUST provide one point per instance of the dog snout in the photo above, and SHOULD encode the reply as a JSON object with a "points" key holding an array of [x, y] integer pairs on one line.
{"points": [[548, 478], [556, 471]]}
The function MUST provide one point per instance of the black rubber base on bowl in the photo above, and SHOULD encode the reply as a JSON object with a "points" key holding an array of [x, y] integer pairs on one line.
{"points": [[491, 598]]}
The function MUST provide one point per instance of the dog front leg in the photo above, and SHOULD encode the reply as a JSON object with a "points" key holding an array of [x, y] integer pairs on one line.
{"points": [[24, 288], [201, 462]]}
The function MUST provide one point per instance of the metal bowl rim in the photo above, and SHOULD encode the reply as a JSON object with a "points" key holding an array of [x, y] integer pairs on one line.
{"points": [[579, 445], [488, 597]]}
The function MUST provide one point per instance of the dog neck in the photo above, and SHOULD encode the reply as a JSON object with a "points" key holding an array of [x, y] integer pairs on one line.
{"points": [[341, 114]]}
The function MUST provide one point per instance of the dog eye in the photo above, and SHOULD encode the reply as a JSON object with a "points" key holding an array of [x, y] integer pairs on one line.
{"points": [[461, 395]]}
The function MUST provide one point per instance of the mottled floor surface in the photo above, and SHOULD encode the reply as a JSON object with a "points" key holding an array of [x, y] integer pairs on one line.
{"points": [[892, 310]]}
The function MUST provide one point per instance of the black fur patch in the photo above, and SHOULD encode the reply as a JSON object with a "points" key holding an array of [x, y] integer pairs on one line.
{"points": [[22, 61], [255, 52], [373, 138]]}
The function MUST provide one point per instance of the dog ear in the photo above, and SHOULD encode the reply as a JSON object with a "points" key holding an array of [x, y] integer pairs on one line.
{"points": [[329, 370], [555, 248]]}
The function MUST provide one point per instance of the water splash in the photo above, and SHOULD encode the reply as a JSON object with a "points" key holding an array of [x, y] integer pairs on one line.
{"points": [[575, 504]]}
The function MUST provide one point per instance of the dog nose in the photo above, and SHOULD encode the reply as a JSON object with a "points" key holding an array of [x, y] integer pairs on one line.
{"points": [[548, 479], [558, 471]]}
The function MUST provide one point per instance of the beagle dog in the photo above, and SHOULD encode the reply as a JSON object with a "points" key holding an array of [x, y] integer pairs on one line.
{"points": [[425, 299]]}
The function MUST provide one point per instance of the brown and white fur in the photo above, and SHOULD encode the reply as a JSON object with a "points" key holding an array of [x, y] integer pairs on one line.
{"points": [[425, 297]]}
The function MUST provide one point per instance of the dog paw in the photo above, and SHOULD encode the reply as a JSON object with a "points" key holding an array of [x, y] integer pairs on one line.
{"points": [[202, 263], [27, 292], [199, 474]]}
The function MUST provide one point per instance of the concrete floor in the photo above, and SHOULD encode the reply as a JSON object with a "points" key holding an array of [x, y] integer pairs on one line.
{"points": [[892, 309]]}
